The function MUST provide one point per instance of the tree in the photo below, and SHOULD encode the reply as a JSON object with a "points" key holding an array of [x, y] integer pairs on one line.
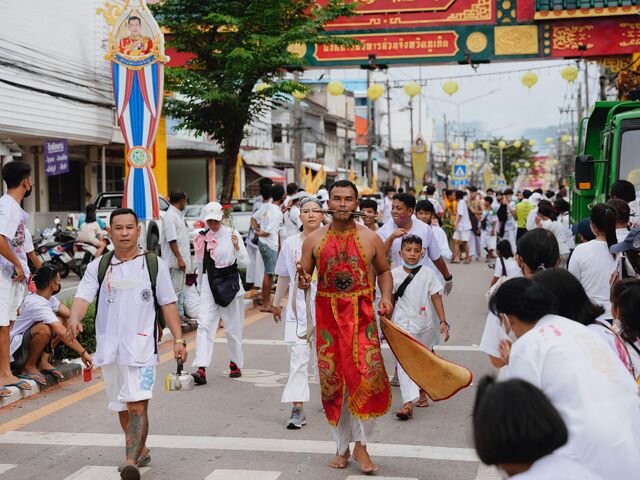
{"points": [[236, 44], [511, 156]]}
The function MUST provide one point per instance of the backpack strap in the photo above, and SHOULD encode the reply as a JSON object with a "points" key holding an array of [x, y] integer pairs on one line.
{"points": [[504, 268], [151, 260], [403, 286], [103, 266]]}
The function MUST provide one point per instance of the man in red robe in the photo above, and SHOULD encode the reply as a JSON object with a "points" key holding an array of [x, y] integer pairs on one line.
{"points": [[135, 44], [353, 381]]}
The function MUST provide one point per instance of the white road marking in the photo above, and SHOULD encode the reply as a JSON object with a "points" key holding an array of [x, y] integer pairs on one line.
{"points": [[486, 472], [243, 475], [236, 443], [5, 467], [99, 473], [279, 343]]}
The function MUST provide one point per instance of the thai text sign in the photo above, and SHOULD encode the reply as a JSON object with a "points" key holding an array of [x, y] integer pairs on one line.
{"points": [[595, 37], [56, 157], [405, 45]]}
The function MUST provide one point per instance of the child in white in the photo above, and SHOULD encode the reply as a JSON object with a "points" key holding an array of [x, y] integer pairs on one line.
{"points": [[300, 350], [412, 313]]}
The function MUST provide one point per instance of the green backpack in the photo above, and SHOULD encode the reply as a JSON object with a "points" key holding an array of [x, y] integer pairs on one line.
{"points": [[152, 267]]}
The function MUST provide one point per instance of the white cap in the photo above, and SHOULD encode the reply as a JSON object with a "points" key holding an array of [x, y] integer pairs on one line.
{"points": [[535, 198], [322, 195], [212, 211], [299, 195]]}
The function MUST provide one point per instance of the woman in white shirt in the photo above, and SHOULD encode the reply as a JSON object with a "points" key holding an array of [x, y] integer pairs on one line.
{"points": [[546, 218], [506, 265], [517, 429], [625, 307], [594, 393], [592, 263]]}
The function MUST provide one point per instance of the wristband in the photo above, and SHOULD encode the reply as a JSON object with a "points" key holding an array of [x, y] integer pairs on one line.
{"points": [[449, 278], [181, 340], [83, 352]]}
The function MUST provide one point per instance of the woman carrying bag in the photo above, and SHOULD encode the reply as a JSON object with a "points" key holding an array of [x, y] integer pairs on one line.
{"points": [[220, 251]]}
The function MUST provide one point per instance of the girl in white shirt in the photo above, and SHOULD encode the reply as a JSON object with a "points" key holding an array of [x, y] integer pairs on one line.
{"points": [[547, 219], [517, 429], [581, 376], [506, 265], [625, 307], [592, 263]]}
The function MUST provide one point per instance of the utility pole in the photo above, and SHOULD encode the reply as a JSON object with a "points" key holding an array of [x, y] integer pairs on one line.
{"points": [[297, 136], [370, 131], [411, 124], [446, 149], [579, 105], [389, 147], [347, 143], [586, 84]]}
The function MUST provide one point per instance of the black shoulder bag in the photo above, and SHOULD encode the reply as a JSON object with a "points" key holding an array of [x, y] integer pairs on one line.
{"points": [[403, 286], [223, 282]]}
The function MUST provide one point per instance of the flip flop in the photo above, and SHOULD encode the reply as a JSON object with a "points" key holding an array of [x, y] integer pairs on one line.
{"points": [[55, 372], [4, 392], [422, 403], [36, 377], [143, 461], [404, 414], [18, 385]]}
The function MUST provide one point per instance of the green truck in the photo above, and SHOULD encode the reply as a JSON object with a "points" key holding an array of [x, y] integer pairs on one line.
{"points": [[608, 150]]}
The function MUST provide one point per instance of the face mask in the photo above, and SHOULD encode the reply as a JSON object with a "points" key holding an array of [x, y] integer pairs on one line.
{"points": [[416, 265], [506, 326], [57, 290], [28, 192]]}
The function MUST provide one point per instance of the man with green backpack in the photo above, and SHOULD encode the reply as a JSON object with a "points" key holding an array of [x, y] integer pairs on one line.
{"points": [[135, 299]]}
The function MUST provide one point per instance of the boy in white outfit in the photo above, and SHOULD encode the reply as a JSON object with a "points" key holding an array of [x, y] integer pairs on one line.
{"points": [[300, 350], [414, 289]]}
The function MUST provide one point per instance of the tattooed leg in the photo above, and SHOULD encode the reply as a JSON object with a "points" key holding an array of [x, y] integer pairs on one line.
{"points": [[137, 430]]}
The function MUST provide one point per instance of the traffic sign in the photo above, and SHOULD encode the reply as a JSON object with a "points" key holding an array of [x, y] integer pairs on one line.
{"points": [[460, 170], [460, 183]]}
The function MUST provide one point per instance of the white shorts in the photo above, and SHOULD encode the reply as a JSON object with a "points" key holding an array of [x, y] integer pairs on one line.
{"points": [[462, 235], [125, 384], [11, 296], [490, 242]]}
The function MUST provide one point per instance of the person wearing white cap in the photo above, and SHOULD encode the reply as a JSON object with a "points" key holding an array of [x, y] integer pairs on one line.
{"points": [[534, 199], [297, 389], [292, 222], [221, 251]]}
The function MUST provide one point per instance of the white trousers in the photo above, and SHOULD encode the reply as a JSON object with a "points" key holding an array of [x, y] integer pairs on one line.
{"points": [[474, 246], [210, 315], [409, 390], [255, 269], [297, 388], [510, 235], [350, 429]]}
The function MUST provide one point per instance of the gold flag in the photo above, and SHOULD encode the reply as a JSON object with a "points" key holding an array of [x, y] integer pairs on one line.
{"points": [[419, 162], [236, 179]]}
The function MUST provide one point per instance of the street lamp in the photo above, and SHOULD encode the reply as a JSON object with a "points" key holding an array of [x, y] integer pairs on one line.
{"points": [[373, 93], [411, 89]]}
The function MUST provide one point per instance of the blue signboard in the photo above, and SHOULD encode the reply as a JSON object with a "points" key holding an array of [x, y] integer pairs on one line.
{"points": [[460, 183]]}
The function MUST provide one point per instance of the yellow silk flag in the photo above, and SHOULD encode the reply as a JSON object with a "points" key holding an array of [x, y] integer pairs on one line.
{"points": [[419, 154], [374, 183], [352, 176], [320, 178], [309, 182], [303, 175], [236, 179]]}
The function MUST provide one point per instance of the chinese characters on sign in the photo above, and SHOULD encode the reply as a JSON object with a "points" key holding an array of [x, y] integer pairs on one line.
{"points": [[56, 157]]}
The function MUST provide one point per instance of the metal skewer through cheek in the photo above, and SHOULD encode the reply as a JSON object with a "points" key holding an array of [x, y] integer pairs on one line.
{"points": [[353, 214]]}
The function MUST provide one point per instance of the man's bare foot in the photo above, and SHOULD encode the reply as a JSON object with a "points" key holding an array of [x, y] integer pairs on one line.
{"points": [[340, 461], [361, 456], [13, 380]]}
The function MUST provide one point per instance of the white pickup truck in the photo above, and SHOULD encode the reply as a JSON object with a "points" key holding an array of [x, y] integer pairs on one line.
{"points": [[151, 234]]}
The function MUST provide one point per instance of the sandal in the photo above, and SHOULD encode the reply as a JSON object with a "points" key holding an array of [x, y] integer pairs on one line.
{"points": [[4, 392], [55, 372], [143, 461], [36, 377], [404, 413], [200, 377], [423, 403], [22, 385]]}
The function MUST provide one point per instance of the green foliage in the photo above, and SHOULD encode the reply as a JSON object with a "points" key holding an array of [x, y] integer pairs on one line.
{"points": [[510, 155], [237, 43], [87, 338]]}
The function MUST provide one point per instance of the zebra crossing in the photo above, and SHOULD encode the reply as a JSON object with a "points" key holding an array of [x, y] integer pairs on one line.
{"points": [[96, 472]]}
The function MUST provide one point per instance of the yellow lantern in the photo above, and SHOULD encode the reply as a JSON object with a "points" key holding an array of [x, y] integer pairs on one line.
{"points": [[299, 95], [471, 146], [486, 145], [565, 138], [532, 143], [555, 163], [261, 87], [527, 164], [502, 144], [439, 146], [375, 91], [450, 87], [335, 88], [569, 73], [536, 164], [529, 79], [548, 140], [454, 146], [412, 89], [517, 144], [477, 166]]}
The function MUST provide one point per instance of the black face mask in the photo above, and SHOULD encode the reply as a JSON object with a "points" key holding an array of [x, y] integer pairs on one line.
{"points": [[57, 290], [28, 192]]}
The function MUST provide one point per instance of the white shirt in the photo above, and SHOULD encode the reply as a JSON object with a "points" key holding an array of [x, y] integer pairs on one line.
{"points": [[634, 214], [13, 224], [569, 238], [531, 218], [443, 242], [594, 393], [88, 232], [463, 222], [621, 234], [296, 322], [386, 209], [437, 206], [418, 228], [175, 229], [615, 343], [34, 309], [511, 267], [559, 232], [491, 336], [125, 319], [411, 312], [292, 222], [269, 217], [592, 264], [557, 467]]}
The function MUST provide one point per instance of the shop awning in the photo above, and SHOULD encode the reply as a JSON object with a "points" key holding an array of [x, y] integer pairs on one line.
{"points": [[317, 166], [274, 174]]}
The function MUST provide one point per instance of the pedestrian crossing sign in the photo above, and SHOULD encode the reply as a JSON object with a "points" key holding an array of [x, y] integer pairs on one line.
{"points": [[460, 171]]}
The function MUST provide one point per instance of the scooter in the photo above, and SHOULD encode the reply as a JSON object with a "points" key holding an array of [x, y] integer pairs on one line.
{"points": [[84, 254]]}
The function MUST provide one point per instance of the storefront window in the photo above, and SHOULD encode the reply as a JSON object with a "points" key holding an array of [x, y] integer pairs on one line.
{"points": [[66, 190], [115, 178], [190, 175]]}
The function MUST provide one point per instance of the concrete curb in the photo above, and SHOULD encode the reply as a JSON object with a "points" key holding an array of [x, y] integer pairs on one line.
{"points": [[69, 370]]}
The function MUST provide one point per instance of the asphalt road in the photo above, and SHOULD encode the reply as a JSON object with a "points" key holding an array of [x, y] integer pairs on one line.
{"points": [[234, 429]]}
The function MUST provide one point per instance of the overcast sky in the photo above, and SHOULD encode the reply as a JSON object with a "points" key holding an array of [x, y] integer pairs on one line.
{"points": [[505, 107]]}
